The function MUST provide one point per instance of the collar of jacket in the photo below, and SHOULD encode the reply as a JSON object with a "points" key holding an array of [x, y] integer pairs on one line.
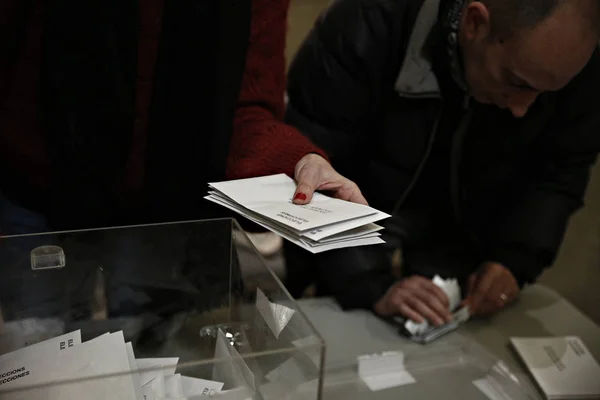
{"points": [[416, 77]]}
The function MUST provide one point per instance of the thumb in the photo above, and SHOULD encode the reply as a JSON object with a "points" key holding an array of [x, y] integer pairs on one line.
{"points": [[304, 193], [308, 181]]}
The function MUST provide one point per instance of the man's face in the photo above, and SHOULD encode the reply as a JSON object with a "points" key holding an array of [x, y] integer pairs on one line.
{"points": [[511, 72]]}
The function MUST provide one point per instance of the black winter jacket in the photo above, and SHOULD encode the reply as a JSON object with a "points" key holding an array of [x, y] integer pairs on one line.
{"points": [[368, 87]]}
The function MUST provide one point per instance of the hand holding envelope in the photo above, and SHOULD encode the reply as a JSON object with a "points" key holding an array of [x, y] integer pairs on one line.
{"points": [[324, 224], [313, 173]]}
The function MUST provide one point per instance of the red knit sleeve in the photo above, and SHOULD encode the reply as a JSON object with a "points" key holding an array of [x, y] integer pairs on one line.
{"points": [[261, 143]]}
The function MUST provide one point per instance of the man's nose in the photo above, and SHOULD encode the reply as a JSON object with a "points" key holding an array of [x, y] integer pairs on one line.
{"points": [[520, 102]]}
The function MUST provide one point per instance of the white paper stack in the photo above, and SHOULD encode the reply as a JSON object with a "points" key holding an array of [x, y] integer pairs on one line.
{"points": [[103, 368], [324, 224], [562, 367]]}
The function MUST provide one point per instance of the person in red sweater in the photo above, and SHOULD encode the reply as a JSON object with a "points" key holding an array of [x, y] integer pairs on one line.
{"points": [[119, 112]]}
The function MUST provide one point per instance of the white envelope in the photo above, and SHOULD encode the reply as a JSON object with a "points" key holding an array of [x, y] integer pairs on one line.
{"points": [[286, 234], [270, 196]]}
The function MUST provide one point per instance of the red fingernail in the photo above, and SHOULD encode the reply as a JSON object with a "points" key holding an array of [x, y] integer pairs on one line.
{"points": [[300, 196]]}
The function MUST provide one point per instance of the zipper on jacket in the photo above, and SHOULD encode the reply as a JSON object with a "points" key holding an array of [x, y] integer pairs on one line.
{"points": [[421, 166]]}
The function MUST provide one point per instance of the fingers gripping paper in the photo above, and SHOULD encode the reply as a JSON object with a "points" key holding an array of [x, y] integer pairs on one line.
{"points": [[324, 224], [452, 289]]}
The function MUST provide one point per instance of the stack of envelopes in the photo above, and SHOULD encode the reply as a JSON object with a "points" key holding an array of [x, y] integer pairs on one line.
{"points": [[324, 224]]}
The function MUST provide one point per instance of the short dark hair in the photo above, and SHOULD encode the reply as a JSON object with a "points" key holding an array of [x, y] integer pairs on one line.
{"points": [[511, 16]]}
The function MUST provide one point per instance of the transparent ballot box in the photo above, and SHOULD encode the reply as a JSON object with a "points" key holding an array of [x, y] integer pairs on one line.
{"points": [[454, 368], [167, 311]]}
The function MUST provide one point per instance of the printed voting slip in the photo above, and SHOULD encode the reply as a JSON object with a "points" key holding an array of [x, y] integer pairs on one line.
{"points": [[271, 196], [104, 356], [562, 367], [39, 350]]}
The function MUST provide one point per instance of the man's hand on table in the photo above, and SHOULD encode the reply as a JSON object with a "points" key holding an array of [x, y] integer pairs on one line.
{"points": [[313, 172], [491, 289], [416, 298]]}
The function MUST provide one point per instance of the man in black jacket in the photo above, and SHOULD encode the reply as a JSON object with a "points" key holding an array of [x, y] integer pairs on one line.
{"points": [[474, 122]]}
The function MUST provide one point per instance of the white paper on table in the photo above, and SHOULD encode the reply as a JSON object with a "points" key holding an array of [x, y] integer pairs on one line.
{"points": [[384, 371], [562, 367], [155, 389], [135, 376], [294, 238], [106, 355], [149, 367], [275, 315], [230, 368], [199, 387], [387, 381], [271, 197]]}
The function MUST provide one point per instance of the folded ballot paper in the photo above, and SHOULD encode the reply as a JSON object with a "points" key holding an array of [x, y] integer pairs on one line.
{"points": [[40, 367], [324, 224]]}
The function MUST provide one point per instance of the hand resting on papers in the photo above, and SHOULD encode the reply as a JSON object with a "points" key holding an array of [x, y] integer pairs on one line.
{"points": [[313, 173]]}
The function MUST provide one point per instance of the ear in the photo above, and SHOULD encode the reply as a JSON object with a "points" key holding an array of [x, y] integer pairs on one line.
{"points": [[476, 22]]}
